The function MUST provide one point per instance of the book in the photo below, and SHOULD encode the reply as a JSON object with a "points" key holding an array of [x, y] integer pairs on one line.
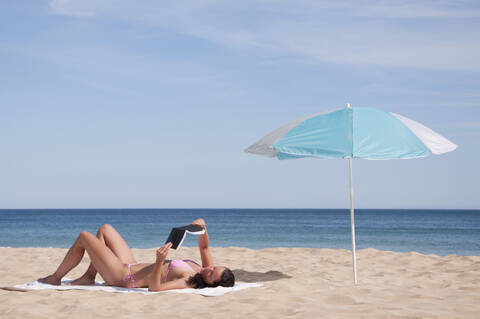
{"points": [[177, 235]]}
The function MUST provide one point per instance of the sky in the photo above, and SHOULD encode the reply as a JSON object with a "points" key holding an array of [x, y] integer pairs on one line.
{"points": [[150, 104]]}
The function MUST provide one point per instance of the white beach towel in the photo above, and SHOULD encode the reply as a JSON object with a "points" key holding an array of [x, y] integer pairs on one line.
{"points": [[100, 286]]}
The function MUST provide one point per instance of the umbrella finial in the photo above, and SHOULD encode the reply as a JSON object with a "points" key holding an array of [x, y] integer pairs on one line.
{"points": [[348, 105]]}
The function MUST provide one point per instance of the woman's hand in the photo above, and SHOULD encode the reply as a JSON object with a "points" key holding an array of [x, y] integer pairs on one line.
{"points": [[155, 278], [162, 252], [199, 222]]}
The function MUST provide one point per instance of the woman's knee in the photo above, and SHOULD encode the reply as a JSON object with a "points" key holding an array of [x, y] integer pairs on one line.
{"points": [[84, 235], [105, 228]]}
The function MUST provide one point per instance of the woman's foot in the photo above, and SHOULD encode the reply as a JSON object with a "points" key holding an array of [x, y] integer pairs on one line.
{"points": [[83, 281], [51, 280]]}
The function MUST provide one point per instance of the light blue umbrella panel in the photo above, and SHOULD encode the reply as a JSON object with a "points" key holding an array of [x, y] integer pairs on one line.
{"points": [[359, 132]]}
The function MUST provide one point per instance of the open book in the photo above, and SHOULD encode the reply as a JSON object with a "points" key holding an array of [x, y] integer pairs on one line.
{"points": [[177, 235]]}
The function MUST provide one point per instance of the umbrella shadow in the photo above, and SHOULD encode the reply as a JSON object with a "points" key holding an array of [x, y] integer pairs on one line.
{"points": [[255, 276]]}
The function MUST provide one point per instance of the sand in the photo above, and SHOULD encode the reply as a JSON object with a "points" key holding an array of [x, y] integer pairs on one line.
{"points": [[298, 283]]}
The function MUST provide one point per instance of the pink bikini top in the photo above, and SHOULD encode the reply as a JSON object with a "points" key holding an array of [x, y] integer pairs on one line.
{"points": [[176, 263]]}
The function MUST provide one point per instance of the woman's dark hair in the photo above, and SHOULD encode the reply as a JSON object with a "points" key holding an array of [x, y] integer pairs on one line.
{"points": [[226, 280]]}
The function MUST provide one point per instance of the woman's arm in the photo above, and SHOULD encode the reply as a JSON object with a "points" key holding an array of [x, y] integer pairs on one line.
{"points": [[174, 284], [155, 280], [203, 242]]}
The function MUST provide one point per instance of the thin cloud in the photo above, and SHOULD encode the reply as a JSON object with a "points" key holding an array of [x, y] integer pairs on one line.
{"points": [[385, 33], [73, 8], [366, 8]]}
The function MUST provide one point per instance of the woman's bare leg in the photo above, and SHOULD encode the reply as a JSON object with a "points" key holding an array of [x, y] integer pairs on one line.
{"points": [[114, 241], [110, 267]]}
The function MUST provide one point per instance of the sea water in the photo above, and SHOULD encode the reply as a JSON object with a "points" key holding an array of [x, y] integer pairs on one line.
{"points": [[440, 232]]}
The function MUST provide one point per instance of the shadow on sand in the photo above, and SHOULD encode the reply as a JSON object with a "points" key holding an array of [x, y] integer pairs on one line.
{"points": [[254, 276]]}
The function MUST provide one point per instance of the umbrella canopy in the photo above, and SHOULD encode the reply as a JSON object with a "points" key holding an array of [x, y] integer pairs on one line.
{"points": [[359, 132]]}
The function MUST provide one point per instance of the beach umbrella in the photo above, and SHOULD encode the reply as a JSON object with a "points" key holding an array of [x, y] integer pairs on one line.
{"points": [[352, 132]]}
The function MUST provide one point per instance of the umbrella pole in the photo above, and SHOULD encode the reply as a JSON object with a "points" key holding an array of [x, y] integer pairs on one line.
{"points": [[352, 224]]}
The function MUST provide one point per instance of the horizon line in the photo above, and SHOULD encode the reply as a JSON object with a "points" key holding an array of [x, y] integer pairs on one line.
{"points": [[223, 208]]}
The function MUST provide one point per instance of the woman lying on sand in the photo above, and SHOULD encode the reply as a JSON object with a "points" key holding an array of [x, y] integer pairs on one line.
{"points": [[113, 259]]}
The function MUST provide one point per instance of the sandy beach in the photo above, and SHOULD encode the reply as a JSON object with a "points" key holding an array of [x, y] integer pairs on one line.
{"points": [[297, 283]]}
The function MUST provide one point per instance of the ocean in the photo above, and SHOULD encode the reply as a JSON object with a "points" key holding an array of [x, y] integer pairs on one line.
{"points": [[440, 232]]}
